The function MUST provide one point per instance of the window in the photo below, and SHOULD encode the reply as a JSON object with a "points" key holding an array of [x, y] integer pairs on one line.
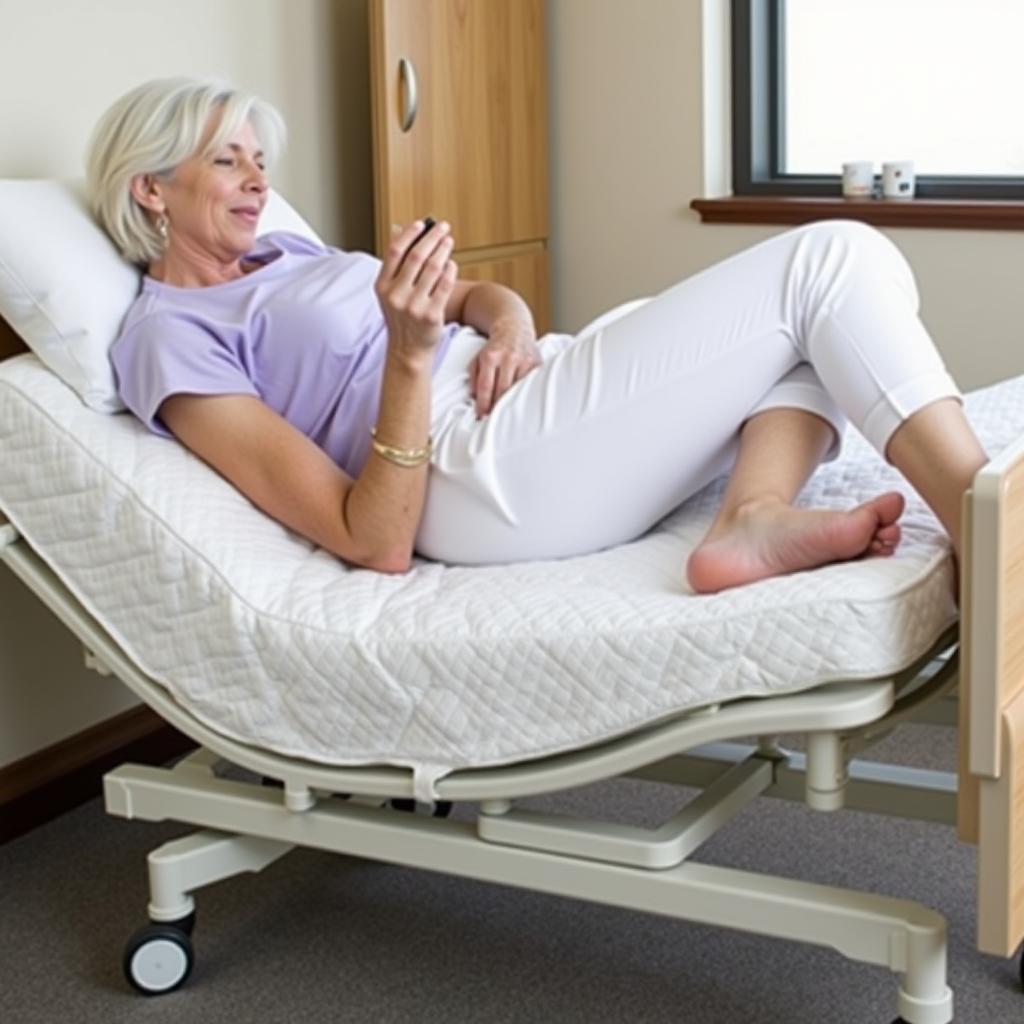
{"points": [[820, 82]]}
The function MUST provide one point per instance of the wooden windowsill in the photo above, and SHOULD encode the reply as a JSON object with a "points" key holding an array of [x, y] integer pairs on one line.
{"points": [[984, 214]]}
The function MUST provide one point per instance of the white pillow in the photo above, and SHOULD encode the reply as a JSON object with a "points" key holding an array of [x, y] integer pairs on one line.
{"points": [[64, 287]]}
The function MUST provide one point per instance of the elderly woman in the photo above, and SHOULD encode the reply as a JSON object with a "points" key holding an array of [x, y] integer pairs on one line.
{"points": [[385, 408]]}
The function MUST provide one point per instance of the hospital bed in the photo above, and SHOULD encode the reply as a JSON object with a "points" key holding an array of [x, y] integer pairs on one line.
{"points": [[361, 697]]}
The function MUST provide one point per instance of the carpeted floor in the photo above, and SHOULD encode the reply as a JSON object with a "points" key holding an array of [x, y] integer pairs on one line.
{"points": [[322, 938]]}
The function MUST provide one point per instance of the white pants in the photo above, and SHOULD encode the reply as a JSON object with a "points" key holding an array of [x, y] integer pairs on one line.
{"points": [[623, 422]]}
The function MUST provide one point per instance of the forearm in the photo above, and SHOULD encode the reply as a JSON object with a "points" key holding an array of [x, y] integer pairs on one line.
{"points": [[488, 304], [382, 509]]}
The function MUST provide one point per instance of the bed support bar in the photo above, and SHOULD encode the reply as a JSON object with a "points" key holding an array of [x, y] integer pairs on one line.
{"points": [[903, 936]]}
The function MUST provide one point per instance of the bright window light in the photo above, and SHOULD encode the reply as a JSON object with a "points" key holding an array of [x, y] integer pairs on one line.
{"points": [[938, 82]]}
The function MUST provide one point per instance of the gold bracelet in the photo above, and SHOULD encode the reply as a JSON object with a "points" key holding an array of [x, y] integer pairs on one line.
{"points": [[407, 457]]}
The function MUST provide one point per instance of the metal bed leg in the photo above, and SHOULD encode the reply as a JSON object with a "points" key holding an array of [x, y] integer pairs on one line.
{"points": [[925, 975], [189, 863], [826, 771], [158, 958]]}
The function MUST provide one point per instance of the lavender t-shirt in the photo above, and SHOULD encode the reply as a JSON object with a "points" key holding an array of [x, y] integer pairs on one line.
{"points": [[304, 333]]}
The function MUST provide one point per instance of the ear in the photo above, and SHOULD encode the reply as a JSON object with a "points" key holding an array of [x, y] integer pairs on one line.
{"points": [[147, 193]]}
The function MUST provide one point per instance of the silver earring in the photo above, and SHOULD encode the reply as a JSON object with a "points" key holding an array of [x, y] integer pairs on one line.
{"points": [[161, 226]]}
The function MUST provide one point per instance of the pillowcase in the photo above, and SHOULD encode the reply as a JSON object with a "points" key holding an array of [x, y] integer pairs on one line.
{"points": [[64, 287]]}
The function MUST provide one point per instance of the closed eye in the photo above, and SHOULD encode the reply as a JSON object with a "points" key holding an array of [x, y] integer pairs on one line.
{"points": [[229, 162]]}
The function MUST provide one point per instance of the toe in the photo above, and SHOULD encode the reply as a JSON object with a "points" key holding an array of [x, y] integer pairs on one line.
{"points": [[889, 534], [889, 507]]}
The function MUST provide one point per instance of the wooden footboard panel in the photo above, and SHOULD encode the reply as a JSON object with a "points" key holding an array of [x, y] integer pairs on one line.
{"points": [[992, 697]]}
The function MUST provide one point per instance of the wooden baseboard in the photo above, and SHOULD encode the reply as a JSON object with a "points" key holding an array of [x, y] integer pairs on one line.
{"points": [[44, 785]]}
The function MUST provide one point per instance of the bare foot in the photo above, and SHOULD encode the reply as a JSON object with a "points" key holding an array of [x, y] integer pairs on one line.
{"points": [[772, 538]]}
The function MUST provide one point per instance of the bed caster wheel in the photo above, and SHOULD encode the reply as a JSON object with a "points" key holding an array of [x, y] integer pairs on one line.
{"points": [[440, 810], [159, 957], [183, 924]]}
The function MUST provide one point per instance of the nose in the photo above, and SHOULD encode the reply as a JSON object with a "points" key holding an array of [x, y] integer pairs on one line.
{"points": [[256, 179]]}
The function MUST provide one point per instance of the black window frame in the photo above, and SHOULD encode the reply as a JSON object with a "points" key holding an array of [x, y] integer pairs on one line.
{"points": [[759, 111]]}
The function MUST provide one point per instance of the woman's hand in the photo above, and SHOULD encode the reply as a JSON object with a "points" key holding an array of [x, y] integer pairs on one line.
{"points": [[510, 354], [413, 287]]}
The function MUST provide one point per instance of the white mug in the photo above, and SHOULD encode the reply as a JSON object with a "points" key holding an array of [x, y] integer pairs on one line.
{"points": [[858, 178], [898, 179]]}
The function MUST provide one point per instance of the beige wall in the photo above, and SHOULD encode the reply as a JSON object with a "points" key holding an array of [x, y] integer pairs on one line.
{"points": [[629, 117], [627, 131], [65, 61]]}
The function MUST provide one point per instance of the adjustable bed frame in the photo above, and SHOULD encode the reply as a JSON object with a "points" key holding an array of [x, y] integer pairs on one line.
{"points": [[244, 826]]}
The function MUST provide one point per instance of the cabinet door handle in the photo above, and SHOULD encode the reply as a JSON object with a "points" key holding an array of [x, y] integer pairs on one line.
{"points": [[410, 94]]}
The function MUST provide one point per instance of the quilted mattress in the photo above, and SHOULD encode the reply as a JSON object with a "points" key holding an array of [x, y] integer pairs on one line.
{"points": [[274, 642]]}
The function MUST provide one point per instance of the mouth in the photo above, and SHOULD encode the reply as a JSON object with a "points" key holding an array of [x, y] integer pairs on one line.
{"points": [[249, 214]]}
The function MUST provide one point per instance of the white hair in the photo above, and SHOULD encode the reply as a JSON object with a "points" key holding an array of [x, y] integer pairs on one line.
{"points": [[151, 130]]}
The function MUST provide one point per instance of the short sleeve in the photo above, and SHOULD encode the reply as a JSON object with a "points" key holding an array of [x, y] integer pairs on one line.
{"points": [[166, 354]]}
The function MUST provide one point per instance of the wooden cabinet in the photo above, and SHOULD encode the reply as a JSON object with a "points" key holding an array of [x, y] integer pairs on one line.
{"points": [[460, 132]]}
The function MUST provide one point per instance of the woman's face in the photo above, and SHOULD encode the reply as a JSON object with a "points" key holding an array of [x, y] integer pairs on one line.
{"points": [[213, 201]]}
